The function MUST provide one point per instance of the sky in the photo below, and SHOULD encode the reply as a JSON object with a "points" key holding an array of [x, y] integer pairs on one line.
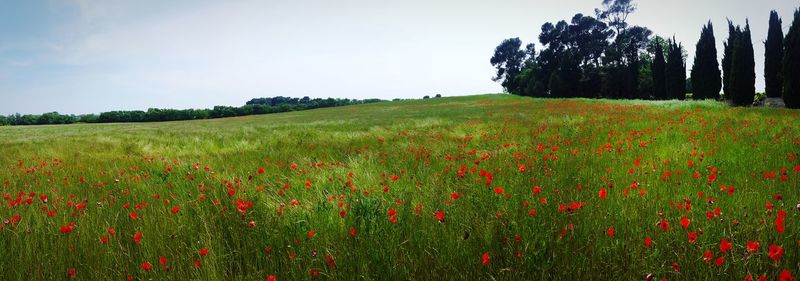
{"points": [[90, 56]]}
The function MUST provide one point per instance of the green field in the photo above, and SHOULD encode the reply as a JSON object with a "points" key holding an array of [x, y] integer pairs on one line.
{"points": [[491, 187]]}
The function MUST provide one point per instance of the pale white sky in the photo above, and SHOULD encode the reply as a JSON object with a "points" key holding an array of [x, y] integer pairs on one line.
{"points": [[88, 56]]}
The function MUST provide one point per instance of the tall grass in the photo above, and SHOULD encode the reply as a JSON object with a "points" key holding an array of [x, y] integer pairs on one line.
{"points": [[354, 164]]}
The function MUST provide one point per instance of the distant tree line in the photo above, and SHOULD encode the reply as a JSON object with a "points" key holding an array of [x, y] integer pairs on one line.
{"points": [[606, 57], [252, 107]]}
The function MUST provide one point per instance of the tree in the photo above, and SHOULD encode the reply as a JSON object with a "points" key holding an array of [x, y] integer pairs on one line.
{"points": [[791, 64], [622, 63], [508, 58], [675, 72], [773, 56], [615, 13], [743, 76], [706, 81], [572, 51], [659, 71], [727, 59]]}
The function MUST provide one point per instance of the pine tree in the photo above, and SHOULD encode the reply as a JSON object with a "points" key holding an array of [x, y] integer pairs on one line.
{"points": [[675, 72], [791, 64], [659, 65], [743, 74], [706, 80], [773, 56]]}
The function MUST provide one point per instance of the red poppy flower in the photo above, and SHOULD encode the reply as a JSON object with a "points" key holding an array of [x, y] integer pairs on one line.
{"points": [[67, 229], [72, 273], [146, 266], [485, 259], [708, 256], [439, 215], [775, 252], [685, 222], [780, 227], [664, 225], [272, 278], [499, 190], [719, 261], [648, 241], [260, 171], [311, 233], [752, 246], [610, 232], [602, 194], [786, 276], [725, 246], [175, 210], [137, 237], [203, 252], [692, 237]]}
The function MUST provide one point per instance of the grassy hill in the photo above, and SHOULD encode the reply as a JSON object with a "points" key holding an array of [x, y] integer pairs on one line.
{"points": [[479, 187]]}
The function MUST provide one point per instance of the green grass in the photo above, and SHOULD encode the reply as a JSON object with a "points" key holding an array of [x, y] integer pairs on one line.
{"points": [[571, 149]]}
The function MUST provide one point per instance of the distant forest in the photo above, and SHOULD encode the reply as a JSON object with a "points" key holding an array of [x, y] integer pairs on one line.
{"points": [[605, 56], [252, 107]]}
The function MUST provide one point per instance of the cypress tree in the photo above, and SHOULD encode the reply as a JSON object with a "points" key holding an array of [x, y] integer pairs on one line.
{"points": [[791, 64], [727, 58], [659, 79], [773, 56], [706, 80], [675, 72], [743, 73]]}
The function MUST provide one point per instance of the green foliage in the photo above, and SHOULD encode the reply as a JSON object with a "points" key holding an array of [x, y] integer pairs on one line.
{"points": [[659, 72], [572, 51], [675, 72], [727, 58], [252, 107], [791, 64], [706, 80], [508, 59], [773, 56], [742, 78]]}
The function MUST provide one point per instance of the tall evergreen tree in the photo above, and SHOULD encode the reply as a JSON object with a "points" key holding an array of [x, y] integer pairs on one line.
{"points": [[733, 34], [706, 80], [743, 73], [675, 74], [773, 56], [659, 79], [791, 64]]}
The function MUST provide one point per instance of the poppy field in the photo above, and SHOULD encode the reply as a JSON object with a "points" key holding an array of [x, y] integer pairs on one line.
{"points": [[490, 187]]}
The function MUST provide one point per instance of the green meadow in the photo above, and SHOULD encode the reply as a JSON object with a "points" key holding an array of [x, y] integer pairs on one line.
{"points": [[488, 187]]}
